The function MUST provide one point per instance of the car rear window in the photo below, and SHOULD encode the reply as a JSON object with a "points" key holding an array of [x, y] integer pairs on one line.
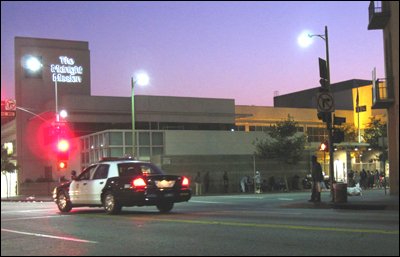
{"points": [[138, 169]]}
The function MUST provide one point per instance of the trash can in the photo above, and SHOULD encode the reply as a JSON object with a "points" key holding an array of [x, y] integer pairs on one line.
{"points": [[340, 192]]}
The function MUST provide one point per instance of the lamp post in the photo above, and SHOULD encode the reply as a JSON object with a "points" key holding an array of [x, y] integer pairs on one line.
{"points": [[304, 42], [34, 64], [141, 79]]}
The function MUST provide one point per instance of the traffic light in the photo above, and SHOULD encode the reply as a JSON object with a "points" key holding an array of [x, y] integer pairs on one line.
{"points": [[62, 156], [324, 147], [325, 116], [338, 136], [323, 87], [61, 165]]}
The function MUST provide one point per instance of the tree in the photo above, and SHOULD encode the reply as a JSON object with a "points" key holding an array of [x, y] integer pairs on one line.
{"points": [[377, 130], [282, 145], [6, 165], [350, 133]]}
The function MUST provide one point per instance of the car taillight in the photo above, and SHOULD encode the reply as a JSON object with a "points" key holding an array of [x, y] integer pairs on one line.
{"points": [[185, 182], [139, 182]]}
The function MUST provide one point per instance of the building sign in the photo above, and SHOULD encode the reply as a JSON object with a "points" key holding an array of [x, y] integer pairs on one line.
{"points": [[361, 108], [67, 71]]}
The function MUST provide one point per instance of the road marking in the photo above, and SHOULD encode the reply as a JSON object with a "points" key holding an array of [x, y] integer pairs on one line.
{"points": [[274, 226], [29, 210], [210, 202], [55, 237], [28, 218], [285, 199]]}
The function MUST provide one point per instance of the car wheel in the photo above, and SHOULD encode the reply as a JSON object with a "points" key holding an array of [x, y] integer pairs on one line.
{"points": [[111, 205], [63, 202], [165, 207]]}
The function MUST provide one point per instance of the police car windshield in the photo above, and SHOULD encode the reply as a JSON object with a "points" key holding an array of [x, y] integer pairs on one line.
{"points": [[139, 169]]}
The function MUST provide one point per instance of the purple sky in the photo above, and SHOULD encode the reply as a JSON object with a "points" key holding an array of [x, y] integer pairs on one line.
{"points": [[239, 50]]}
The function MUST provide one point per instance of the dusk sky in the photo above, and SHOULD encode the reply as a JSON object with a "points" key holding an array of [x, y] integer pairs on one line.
{"points": [[237, 50]]}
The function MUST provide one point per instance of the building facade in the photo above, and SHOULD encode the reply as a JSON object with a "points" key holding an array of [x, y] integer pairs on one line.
{"points": [[384, 15], [198, 133]]}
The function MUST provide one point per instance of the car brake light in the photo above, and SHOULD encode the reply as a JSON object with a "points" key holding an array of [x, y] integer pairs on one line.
{"points": [[139, 182], [185, 182]]}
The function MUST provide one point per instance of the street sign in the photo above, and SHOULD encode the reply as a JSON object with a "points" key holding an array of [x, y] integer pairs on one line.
{"points": [[58, 124], [10, 105], [338, 120], [361, 108], [57, 131], [325, 102]]}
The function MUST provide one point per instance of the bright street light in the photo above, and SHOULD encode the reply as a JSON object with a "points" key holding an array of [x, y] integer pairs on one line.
{"points": [[33, 64], [141, 79], [304, 40], [63, 113]]}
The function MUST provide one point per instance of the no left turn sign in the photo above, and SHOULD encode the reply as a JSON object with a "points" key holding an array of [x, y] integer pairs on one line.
{"points": [[325, 102]]}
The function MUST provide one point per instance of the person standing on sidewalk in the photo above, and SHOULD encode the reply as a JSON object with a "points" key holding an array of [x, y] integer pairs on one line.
{"points": [[377, 179], [257, 181], [207, 181], [197, 181], [317, 178], [226, 180]]}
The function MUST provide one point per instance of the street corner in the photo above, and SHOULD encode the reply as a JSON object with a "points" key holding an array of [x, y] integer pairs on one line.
{"points": [[309, 205]]}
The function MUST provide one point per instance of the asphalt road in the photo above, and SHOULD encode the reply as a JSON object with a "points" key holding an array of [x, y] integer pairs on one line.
{"points": [[207, 225]]}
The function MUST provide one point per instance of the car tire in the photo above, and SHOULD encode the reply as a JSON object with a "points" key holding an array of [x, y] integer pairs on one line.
{"points": [[165, 207], [63, 203], [111, 205]]}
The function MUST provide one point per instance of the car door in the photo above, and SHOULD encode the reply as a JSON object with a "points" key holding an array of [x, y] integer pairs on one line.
{"points": [[97, 183], [78, 187]]}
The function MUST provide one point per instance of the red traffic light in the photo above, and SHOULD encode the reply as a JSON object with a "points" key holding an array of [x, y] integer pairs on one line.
{"points": [[62, 165], [324, 146], [63, 145]]}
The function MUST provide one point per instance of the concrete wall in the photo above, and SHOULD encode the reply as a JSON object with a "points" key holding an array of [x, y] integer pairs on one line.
{"points": [[39, 188], [237, 166], [210, 142]]}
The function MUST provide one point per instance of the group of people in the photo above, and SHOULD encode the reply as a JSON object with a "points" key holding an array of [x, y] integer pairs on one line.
{"points": [[247, 185], [365, 179], [206, 179]]}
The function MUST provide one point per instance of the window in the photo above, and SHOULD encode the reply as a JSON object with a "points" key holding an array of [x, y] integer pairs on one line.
{"points": [[139, 169], [86, 174], [316, 134], [101, 172], [115, 138]]}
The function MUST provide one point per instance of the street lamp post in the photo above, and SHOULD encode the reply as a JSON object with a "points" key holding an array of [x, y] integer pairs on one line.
{"points": [[34, 64], [328, 120], [133, 119], [141, 79]]}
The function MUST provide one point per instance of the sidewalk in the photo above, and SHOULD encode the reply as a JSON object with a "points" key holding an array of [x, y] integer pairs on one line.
{"points": [[372, 199]]}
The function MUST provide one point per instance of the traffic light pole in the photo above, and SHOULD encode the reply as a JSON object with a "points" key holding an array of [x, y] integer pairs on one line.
{"points": [[329, 121]]}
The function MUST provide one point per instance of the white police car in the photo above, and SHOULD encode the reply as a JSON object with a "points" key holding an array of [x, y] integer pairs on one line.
{"points": [[116, 182]]}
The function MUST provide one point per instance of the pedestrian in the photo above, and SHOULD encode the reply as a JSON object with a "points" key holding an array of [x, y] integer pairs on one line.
{"points": [[357, 179], [377, 179], [371, 179], [225, 179], [207, 181], [243, 183], [363, 176], [295, 182], [350, 176], [257, 181], [317, 178], [272, 183], [73, 175], [264, 186], [197, 181]]}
